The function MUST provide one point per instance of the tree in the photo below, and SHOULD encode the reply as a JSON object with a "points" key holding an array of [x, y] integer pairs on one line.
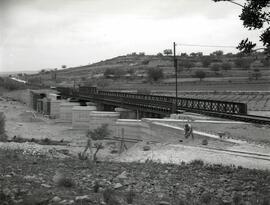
{"points": [[155, 74], [193, 54], [142, 54], [184, 55], [159, 54], [217, 53], [255, 15], [198, 54], [200, 74], [167, 52]]}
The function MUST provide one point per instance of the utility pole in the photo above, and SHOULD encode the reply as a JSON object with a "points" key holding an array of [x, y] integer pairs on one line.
{"points": [[175, 66]]}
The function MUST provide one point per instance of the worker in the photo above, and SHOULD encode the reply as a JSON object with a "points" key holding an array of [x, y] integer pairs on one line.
{"points": [[188, 131]]}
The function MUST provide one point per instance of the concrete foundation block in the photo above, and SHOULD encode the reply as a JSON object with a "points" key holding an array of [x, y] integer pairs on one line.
{"points": [[55, 108], [66, 111], [81, 116]]}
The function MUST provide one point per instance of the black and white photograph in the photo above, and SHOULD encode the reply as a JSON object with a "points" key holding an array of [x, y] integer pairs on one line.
{"points": [[134, 102]]}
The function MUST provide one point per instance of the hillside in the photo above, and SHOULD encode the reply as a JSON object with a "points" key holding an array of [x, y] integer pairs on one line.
{"points": [[134, 68]]}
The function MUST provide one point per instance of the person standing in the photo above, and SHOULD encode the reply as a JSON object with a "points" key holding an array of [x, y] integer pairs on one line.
{"points": [[188, 131]]}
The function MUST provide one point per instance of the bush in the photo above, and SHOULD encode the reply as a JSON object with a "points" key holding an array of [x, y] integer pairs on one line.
{"points": [[155, 74], [2, 124], [145, 62], [200, 74], [99, 133], [226, 66], [197, 162], [46, 141], [266, 62], [206, 62], [205, 142], [65, 182], [243, 63], [215, 67], [186, 64], [114, 72]]}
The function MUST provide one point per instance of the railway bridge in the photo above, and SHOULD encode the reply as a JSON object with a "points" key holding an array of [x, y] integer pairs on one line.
{"points": [[160, 106]]}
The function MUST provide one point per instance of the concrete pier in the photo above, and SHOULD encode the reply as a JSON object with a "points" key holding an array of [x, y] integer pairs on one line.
{"points": [[81, 116], [66, 111]]}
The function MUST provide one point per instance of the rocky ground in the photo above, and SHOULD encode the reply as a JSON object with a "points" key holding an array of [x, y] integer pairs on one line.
{"points": [[40, 172], [39, 179]]}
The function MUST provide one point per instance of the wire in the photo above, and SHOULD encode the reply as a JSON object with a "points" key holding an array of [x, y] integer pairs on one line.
{"points": [[212, 46]]}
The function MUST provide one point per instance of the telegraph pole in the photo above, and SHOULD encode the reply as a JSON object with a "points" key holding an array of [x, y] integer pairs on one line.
{"points": [[175, 66]]}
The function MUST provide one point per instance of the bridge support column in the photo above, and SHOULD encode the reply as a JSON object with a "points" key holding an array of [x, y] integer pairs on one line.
{"points": [[125, 113]]}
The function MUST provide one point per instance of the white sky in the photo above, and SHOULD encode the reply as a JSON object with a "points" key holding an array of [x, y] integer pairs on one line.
{"points": [[43, 34]]}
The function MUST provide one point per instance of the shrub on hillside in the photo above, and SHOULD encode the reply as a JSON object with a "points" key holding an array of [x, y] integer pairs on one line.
{"points": [[226, 66], [243, 63], [256, 74], [3, 136], [114, 72], [206, 62], [185, 64], [200, 74], [155, 74], [215, 67], [2, 123], [266, 62], [145, 62]]}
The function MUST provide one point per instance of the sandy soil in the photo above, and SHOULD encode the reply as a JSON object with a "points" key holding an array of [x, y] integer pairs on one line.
{"points": [[23, 122]]}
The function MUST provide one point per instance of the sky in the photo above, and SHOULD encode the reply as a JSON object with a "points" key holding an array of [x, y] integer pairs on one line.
{"points": [[46, 34]]}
